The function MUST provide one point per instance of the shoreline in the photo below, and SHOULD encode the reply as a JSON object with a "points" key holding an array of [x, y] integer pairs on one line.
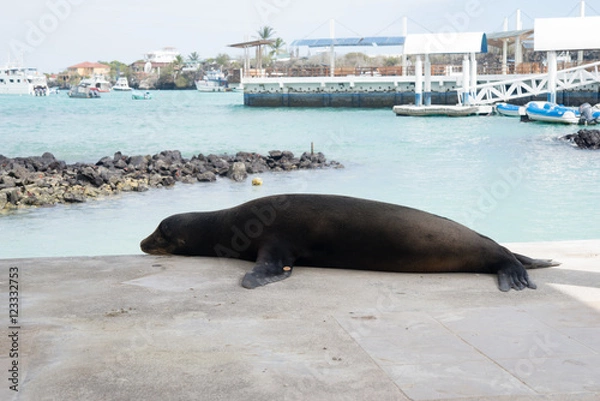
{"points": [[38, 181]]}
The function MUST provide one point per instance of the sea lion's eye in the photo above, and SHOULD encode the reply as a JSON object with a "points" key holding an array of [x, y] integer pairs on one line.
{"points": [[164, 229]]}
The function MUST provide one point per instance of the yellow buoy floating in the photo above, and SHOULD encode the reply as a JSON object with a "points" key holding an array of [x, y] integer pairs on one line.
{"points": [[257, 181]]}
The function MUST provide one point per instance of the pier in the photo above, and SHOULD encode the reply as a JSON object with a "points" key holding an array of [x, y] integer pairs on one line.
{"points": [[417, 81], [161, 327], [365, 91]]}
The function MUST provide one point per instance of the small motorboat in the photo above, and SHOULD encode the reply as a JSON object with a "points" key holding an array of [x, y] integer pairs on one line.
{"points": [[98, 82], [510, 110], [552, 113], [213, 81], [141, 96], [84, 91]]}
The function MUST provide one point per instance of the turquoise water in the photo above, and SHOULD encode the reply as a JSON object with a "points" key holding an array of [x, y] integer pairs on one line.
{"points": [[510, 180]]}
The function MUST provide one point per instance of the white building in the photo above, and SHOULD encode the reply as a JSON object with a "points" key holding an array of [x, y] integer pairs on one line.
{"points": [[166, 55]]}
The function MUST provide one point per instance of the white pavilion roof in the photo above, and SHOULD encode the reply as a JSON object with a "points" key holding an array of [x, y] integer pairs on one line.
{"points": [[445, 43], [578, 33]]}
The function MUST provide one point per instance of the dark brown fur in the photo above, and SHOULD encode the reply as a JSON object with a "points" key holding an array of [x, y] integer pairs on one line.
{"points": [[280, 232]]}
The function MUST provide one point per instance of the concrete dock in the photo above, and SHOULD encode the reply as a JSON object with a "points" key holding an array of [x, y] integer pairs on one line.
{"points": [[176, 328]]}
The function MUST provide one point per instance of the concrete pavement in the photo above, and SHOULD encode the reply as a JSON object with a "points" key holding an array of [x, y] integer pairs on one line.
{"points": [[176, 328]]}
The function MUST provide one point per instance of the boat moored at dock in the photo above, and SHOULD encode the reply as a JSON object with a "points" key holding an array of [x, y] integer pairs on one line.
{"points": [[552, 113], [510, 110], [442, 110]]}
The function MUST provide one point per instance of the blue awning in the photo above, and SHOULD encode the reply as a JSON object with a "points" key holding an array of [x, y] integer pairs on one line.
{"points": [[364, 41]]}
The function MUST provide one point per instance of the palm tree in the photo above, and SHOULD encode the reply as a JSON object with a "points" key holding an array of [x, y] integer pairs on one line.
{"points": [[264, 33], [194, 57], [194, 60], [277, 47], [178, 64]]}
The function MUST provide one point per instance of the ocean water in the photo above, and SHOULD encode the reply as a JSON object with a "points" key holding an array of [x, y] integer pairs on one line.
{"points": [[509, 180]]}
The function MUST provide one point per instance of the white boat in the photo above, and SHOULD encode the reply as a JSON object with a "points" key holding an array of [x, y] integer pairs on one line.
{"points": [[122, 85], [141, 96], [84, 91], [22, 81], [442, 110], [510, 110], [98, 82], [213, 81]]}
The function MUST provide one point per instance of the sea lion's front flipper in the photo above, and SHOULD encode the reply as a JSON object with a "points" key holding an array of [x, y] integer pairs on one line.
{"points": [[266, 272], [514, 276]]}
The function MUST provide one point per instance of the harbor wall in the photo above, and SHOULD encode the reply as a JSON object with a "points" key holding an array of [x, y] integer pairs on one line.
{"points": [[346, 99], [381, 92], [389, 99]]}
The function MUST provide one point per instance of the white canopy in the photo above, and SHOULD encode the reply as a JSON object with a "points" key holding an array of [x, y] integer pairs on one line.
{"points": [[445, 43], [578, 33]]}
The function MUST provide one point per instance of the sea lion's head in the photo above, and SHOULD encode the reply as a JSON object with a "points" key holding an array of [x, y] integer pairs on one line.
{"points": [[168, 238]]}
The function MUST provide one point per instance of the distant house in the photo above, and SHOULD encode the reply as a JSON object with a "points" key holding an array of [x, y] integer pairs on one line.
{"points": [[147, 67], [155, 60], [166, 55], [87, 69], [148, 70]]}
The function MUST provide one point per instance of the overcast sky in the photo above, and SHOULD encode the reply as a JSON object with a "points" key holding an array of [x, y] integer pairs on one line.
{"points": [[54, 34]]}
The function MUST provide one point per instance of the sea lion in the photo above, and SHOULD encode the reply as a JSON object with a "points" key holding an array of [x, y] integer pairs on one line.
{"points": [[280, 232]]}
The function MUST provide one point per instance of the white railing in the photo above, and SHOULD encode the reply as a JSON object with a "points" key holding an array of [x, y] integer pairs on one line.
{"points": [[533, 85]]}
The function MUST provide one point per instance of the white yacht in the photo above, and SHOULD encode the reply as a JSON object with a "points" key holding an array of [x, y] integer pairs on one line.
{"points": [[213, 81], [98, 82], [122, 85], [22, 81]]}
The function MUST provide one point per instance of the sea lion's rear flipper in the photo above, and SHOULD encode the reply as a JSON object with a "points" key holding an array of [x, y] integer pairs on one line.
{"points": [[266, 272], [516, 277], [530, 263]]}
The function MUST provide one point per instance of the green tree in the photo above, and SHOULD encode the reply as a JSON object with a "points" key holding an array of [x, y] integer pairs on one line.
{"points": [[265, 33], [177, 66], [118, 69], [222, 59], [166, 80], [277, 47], [391, 61], [178, 63], [181, 82], [194, 58], [193, 61]]}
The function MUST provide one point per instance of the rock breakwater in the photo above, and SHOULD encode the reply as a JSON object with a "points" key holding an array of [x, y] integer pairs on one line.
{"points": [[44, 180]]}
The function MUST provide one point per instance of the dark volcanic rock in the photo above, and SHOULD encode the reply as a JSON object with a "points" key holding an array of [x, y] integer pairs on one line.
{"points": [[585, 139], [237, 171], [44, 180]]}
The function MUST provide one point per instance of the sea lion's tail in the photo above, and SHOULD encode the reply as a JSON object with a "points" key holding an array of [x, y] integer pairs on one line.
{"points": [[530, 263]]}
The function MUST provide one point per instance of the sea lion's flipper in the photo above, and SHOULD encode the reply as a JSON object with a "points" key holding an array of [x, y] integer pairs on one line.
{"points": [[264, 273], [514, 276], [530, 263]]}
